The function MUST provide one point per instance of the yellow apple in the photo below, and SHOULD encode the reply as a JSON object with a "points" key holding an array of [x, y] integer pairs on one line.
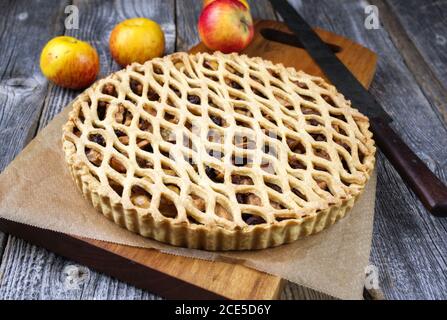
{"points": [[136, 40], [69, 62], [226, 25]]}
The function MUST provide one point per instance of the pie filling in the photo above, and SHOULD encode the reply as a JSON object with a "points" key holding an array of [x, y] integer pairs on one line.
{"points": [[220, 140]]}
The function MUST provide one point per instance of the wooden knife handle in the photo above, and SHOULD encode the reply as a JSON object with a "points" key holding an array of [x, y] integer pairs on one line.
{"points": [[418, 177]]}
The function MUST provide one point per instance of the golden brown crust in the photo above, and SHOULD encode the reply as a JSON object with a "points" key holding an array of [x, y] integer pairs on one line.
{"points": [[115, 143]]}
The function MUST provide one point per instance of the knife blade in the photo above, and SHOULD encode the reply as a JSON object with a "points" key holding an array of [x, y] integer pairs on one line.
{"points": [[290, 39], [333, 68], [430, 189]]}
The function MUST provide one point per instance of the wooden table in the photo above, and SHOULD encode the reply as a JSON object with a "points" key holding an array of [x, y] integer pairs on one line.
{"points": [[409, 246]]}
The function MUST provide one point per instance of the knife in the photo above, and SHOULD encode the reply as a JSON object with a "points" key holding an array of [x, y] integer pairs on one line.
{"points": [[418, 177]]}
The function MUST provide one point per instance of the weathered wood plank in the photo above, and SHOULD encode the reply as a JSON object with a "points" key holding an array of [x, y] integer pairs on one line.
{"points": [[422, 44], [409, 245], [425, 24], [187, 15], [22, 86], [3, 239], [262, 9], [294, 292], [30, 272], [35, 273]]}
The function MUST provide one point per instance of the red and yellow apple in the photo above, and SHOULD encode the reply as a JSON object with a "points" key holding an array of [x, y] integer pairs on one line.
{"points": [[136, 40], [69, 62], [207, 2], [226, 25]]}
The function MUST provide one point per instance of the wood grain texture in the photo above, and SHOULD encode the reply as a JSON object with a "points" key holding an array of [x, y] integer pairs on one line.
{"points": [[170, 276], [408, 245], [3, 239], [425, 24], [35, 273], [421, 43], [22, 87], [431, 191], [225, 279], [292, 291]]}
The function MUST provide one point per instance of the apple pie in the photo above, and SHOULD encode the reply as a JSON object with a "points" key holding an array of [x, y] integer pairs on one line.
{"points": [[218, 151]]}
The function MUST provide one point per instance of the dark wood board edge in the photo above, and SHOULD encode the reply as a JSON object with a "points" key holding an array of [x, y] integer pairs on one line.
{"points": [[104, 261]]}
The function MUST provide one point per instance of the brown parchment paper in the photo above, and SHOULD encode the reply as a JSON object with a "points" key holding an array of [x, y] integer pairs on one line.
{"points": [[36, 189]]}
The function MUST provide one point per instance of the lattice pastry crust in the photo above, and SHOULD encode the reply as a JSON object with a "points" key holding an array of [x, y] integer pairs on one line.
{"points": [[218, 152]]}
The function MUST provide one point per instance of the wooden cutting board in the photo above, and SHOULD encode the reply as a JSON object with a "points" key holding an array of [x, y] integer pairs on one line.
{"points": [[186, 278]]}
